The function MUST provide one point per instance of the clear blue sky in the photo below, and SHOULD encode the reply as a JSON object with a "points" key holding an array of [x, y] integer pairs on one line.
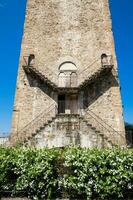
{"points": [[11, 29]]}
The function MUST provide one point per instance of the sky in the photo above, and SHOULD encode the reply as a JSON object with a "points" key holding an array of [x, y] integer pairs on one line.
{"points": [[12, 14]]}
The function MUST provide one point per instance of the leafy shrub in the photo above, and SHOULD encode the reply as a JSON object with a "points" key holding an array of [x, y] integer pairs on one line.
{"points": [[7, 175], [29, 170], [72, 172], [99, 174]]}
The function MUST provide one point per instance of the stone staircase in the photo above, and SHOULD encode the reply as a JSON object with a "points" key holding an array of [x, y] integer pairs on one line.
{"points": [[98, 137], [85, 77], [37, 124], [100, 130], [32, 66], [109, 136], [39, 75], [93, 137], [96, 74], [62, 131], [94, 71], [50, 129], [66, 130]]}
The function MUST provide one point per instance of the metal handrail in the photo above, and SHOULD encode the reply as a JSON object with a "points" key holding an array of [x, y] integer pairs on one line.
{"points": [[104, 125], [109, 62], [54, 75], [48, 69], [80, 74], [40, 73], [93, 67], [106, 129], [38, 118], [36, 61], [109, 126]]}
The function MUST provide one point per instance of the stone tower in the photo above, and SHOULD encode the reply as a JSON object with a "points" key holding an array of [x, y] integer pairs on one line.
{"points": [[67, 87]]}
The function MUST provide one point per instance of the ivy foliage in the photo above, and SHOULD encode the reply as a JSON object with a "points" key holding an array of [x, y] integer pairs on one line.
{"points": [[72, 172]]}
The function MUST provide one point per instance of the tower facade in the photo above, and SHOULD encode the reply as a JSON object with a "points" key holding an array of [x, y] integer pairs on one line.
{"points": [[67, 87]]}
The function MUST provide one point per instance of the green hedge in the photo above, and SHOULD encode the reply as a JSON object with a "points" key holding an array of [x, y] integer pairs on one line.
{"points": [[72, 172]]}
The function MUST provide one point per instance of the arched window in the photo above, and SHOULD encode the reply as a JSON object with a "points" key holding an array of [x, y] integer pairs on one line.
{"points": [[67, 75], [73, 79], [62, 79], [104, 59]]}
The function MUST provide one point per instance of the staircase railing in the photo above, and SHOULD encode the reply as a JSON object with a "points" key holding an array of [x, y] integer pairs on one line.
{"points": [[39, 121], [108, 132], [98, 64], [46, 71]]}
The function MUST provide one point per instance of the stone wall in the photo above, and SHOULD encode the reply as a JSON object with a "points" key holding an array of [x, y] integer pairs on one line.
{"points": [[57, 31]]}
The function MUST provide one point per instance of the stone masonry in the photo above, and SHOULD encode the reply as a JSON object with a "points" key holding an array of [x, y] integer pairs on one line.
{"points": [[68, 67]]}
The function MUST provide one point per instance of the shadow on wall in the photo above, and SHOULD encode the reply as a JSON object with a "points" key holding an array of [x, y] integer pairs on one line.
{"points": [[34, 82], [97, 89]]}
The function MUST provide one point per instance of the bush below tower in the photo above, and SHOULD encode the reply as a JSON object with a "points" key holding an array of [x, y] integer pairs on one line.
{"points": [[73, 173]]}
